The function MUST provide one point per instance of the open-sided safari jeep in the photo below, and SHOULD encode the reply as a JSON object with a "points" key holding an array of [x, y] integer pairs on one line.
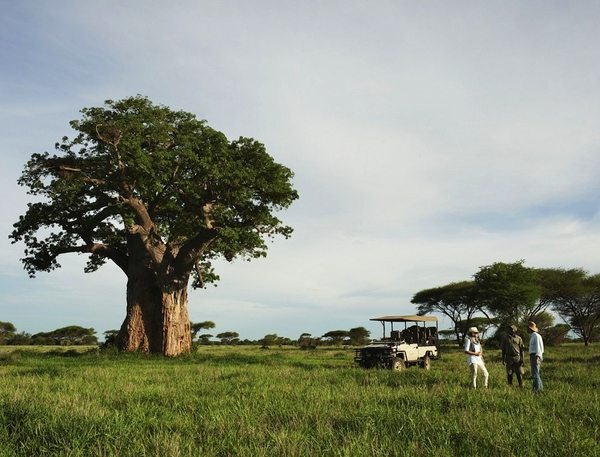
{"points": [[416, 344]]}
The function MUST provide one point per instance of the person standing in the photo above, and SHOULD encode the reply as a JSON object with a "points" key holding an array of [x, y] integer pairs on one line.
{"points": [[512, 356], [475, 358], [536, 355]]}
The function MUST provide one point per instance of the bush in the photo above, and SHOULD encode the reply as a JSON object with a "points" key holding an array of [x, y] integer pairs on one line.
{"points": [[307, 343]]}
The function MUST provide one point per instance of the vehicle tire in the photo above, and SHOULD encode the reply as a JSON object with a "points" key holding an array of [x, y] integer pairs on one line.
{"points": [[398, 365], [426, 363]]}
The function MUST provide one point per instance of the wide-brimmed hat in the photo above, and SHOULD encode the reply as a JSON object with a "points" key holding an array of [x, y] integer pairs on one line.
{"points": [[473, 330], [531, 326]]}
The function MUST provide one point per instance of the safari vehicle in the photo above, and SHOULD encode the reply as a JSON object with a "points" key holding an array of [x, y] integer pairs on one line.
{"points": [[415, 344]]}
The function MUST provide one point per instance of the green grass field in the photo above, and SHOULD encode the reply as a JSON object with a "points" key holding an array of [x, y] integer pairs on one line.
{"points": [[244, 401]]}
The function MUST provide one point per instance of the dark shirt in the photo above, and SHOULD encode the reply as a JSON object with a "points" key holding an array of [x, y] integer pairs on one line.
{"points": [[512, 349]]}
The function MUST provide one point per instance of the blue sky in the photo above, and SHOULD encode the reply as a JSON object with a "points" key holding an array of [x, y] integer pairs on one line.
{"points": [[428, 139]]}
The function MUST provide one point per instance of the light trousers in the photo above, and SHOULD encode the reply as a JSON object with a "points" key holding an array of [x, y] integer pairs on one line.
{"points": [[474, 367]]}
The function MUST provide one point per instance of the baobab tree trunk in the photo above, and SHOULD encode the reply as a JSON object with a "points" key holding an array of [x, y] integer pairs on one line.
{"points": [[176, 329], [157, 321]]}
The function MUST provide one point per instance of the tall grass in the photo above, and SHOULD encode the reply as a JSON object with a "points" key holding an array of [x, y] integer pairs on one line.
{"points": [[243, 401]]}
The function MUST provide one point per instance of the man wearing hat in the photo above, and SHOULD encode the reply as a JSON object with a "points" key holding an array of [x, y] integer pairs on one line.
{"points": [[474, 357], [512, 355], [536, 353]]}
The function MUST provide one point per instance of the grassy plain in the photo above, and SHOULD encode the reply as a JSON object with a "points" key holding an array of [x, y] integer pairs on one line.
{"points": [[244, 401]]}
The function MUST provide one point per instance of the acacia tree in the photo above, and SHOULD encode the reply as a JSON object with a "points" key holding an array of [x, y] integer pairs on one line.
{"points": [[66, 336], [509, 291], [336, 336], [197, 326], [575, 296], [271, 339], [306, 341], [204, 338], [359, 336], [229, 337], [456, 300], [162, 195], [7, 331]]}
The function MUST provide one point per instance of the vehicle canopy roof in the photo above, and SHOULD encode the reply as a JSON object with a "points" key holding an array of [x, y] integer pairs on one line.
{"points": [[414, 318]]}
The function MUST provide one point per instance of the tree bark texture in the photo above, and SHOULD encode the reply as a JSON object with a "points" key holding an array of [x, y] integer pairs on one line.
{"points": [[157, 319]]}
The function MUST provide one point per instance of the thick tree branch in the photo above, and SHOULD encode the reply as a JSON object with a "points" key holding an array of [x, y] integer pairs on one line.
{"points": [[191, 251], [142, 215], [67, 172], [119, 258], [152, 242], [100, 216], [146, 229]]}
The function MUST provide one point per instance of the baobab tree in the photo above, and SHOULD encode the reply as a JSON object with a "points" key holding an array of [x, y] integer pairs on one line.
{"points": [[160, 194]]}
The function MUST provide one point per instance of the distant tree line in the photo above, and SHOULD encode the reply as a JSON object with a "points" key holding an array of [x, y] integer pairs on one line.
{"points": [[354, 336], [72, 335], [505, 294], [76, 335]]}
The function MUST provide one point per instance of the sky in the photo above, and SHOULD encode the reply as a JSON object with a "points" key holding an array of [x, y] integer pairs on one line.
{"points": [[427, 139]]}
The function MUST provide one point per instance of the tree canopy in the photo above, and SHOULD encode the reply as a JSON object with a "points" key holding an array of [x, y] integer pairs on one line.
{"points": [[228, 337], [575, 296], [508, 290], [162, 195], [513, 294], [456, 300], [139, 168], [336, 336], [65, 336], [359, 336], [7, 331], [197, 326]]}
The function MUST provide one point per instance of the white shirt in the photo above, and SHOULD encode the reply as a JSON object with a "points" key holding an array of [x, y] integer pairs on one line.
{"points": [[471, 359], [536, 345]]}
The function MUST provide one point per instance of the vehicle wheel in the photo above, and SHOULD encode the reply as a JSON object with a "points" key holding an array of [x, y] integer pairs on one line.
{"points": [[398, 365], [426, 363]]}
